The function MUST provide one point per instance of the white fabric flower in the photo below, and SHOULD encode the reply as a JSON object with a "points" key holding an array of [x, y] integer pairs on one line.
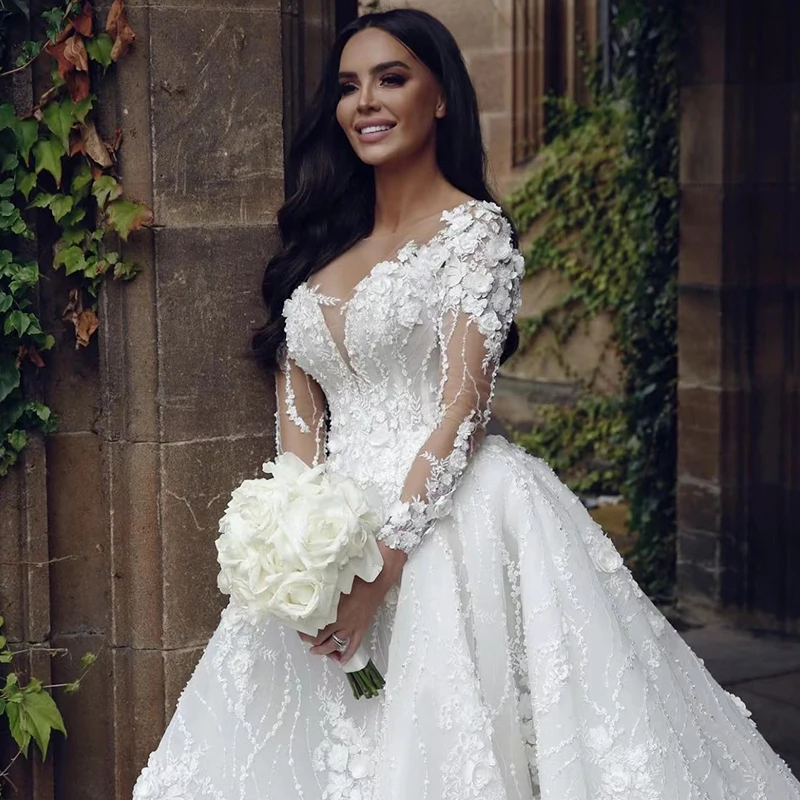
{"points": [[606, 556]]}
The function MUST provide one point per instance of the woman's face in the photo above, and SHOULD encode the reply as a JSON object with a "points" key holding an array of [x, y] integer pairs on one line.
{"points": [[389, 100]]}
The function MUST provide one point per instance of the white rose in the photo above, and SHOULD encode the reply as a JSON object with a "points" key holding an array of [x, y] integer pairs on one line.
{"points": [[474, 306], [478, 774], [361, 766], [501, 300], [302, 595], [599, 740], [146, 788], [408, 312], [617, 780], [289, 469], [498, 249], [606, 557], [478, 282], [337, 758]]}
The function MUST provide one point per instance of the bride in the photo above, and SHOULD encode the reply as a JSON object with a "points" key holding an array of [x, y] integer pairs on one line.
{"points": [[521, 659]]}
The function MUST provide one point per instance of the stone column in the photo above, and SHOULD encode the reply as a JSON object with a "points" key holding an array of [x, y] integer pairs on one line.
{"points": [[739, 428]]}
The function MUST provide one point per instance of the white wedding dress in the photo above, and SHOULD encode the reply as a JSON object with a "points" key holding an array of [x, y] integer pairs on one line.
{"points": [[521, 659]]}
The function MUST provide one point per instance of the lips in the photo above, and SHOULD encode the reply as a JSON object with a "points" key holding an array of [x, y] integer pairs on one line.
{"points": [[374, 130]]}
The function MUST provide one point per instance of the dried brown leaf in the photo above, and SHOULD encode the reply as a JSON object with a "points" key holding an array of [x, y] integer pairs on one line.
{"points": [[84, 320], [93, 145], [75, 52], [83, 22], [65, 66], [79, 86], [119, 30]]}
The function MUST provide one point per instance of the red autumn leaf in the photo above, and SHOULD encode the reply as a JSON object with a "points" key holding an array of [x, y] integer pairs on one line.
{"points": [[77, 144], [65, 66], [119, 30], [83, 22], [75, 52], [79, 86]]}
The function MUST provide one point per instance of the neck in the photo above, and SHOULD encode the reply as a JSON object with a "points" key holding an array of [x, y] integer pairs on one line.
{"points": [[405, 192]]}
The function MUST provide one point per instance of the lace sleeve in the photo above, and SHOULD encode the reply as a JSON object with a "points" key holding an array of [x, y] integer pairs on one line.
{"points": [[299, 412], [481, 296]]}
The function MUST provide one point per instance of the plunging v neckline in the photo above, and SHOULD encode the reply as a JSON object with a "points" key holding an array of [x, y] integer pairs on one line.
{"points": [[320, 298]]}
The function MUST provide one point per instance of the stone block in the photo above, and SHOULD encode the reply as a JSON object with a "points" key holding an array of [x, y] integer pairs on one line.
{"points": [[139, 720], [773, 150], [772, 224], [198, 478], [697, 586], [129, 350], [84, 761], [698, 549], [489, 71], [78, 522], [701, 130], [134, 490], [699, 507], [472, 24], [178, 668], [740, 235], [216, 115], [701, 236], [699, 345], [209, 303], [702, 56], [11, 575], [699, 434]]}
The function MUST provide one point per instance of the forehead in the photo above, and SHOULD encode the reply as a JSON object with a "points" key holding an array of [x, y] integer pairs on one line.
{"points": [[373, 46]]}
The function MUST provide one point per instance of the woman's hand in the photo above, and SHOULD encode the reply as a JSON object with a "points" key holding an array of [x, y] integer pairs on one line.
{"points": [[357, 609]]}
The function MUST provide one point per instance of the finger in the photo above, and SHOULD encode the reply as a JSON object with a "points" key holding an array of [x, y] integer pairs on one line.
{"points": [[328, 646], [355, 641], [325, 633], [305, 637]]}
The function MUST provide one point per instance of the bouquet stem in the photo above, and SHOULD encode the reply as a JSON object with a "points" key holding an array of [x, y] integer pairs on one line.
{"points": [[366, 682]]}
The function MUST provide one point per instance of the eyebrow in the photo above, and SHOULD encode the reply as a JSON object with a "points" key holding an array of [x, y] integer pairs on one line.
{"points": [[377, 68]]}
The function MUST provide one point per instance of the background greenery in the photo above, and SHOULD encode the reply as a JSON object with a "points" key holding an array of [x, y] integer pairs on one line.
{"points": [[602, 203]]}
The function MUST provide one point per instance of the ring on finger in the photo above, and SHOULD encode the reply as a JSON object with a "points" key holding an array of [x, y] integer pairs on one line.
{"points": [[341, 644]]}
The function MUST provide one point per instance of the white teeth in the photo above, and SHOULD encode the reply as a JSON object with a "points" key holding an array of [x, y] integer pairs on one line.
{"points": [[376, 128]]}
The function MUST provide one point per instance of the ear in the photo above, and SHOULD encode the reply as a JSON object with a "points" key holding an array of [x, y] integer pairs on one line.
{"points": [[441, 107]]}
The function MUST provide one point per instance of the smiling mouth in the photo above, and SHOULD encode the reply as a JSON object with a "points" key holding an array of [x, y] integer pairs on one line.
{"points": [[368, 129]]}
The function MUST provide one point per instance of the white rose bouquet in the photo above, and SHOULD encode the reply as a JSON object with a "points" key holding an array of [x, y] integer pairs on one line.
{"points": [[290, 546]]}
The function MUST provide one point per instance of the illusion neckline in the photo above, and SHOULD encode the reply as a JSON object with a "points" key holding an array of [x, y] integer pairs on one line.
{"points": [[445, 216]]}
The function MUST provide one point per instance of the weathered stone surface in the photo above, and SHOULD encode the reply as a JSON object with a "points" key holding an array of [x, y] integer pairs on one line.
{"points": [[134, 481], [699, 506], [79, 584], [209, 303], [178, 667], [699, 434], [84, 761], [198, 478], [702, 125], [700, 354], [701, 212], [218, 147]]}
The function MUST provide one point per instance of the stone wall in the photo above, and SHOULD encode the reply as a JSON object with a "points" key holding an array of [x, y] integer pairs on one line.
{"points": [[739, 312], [165, 412]]}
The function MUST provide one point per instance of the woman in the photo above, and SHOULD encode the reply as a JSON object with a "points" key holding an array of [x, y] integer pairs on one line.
{"points": [[521, 659]]}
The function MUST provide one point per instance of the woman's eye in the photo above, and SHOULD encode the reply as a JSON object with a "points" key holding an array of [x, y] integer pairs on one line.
{"points": [[346, 88], [393, 80]]}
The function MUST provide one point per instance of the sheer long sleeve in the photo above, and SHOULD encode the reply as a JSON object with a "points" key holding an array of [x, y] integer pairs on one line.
{"points": [[299, 412], [481, 296]]}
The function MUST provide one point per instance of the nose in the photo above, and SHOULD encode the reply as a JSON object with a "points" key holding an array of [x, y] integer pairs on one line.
{"points": [[366, 99]]}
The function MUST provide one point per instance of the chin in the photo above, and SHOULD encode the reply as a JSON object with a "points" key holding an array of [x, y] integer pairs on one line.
{"points": [[381, 156]]}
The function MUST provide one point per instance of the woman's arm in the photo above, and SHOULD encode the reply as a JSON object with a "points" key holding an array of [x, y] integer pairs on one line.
{"points": [[482, 295], [299, 412]]}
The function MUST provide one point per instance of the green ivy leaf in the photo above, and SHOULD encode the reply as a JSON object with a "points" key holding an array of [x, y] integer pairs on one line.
{"points": [[26, 181], [7, 187], [9, 377], [7, 116], [60, 205], [99, 49], [42, 200], [126, 270], [47, 154], [18, 439], [72, 258], [125, 216], [83, 107], [74, 217], [60, 119], [5, 302], [10, 162], [42, 715], [26, 132], [106, 188], [81, 180], [16, 321], [87, 659], [18, 730]]}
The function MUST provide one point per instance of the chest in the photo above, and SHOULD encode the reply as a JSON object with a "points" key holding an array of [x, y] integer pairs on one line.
{"points": [[386, 326]]}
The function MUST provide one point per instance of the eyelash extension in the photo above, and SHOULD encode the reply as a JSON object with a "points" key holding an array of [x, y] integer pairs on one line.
{"points": [[397, 80]]}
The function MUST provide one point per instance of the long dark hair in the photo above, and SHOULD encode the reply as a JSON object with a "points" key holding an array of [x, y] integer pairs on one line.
{"points": [[332, 205]]}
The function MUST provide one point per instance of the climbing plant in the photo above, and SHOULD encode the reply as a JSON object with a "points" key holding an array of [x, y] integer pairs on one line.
{"points": [[58, 175], [53, 162], [601, 204]]}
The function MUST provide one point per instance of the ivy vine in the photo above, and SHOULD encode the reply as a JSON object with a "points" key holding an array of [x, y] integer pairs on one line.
{"points": [[57, 174], [602, 206], [54, 162]]}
